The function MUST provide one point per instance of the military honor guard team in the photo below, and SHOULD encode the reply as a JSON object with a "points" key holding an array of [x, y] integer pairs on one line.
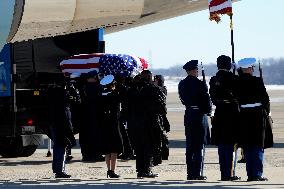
{"points": [[118, 117]]}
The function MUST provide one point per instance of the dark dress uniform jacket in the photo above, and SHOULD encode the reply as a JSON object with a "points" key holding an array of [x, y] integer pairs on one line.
{"points": [[252, 90], [193, 93], [223, 93], [59, 116]]}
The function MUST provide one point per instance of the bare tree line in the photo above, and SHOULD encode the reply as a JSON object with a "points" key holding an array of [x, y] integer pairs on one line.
{"points": [[273, 71]]}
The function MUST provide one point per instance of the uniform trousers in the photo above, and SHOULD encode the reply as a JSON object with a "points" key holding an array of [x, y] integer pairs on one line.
{"points": [[58, 162], [254, 161], [193, 158], [143, 161], [225, 152]]}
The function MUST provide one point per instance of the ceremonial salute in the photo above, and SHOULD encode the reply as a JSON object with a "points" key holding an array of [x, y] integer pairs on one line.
{"points": [[194, 95], [223, 93], [254, 104]]}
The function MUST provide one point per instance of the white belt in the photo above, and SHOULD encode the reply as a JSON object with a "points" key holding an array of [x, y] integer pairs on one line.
{"points": [[194, 107], [250, 105]]}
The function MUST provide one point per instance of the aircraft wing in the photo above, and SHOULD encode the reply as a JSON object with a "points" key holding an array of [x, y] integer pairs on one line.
{"points": [[32, 19]]}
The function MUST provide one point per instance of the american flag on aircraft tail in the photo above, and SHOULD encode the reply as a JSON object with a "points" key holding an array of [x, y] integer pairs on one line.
{"points": [[116, 64], [217, 7]]}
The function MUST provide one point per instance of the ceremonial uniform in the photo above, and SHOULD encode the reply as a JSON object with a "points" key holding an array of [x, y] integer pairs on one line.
{"points": [[225, 123], [254, 104], [61, 132], [194, 95]]}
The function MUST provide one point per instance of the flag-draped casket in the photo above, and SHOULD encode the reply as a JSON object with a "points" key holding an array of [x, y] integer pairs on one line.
{"points": [[115, 64]]}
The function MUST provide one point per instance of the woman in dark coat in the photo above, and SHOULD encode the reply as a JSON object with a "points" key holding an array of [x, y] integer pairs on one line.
{"points": [[112, 140], [90, 123]]}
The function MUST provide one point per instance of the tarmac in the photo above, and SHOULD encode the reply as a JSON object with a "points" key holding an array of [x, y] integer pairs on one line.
{"points": [[35, 171]]}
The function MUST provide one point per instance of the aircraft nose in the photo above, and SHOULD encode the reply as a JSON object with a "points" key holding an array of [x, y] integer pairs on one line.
{"points": [[6, 19]]}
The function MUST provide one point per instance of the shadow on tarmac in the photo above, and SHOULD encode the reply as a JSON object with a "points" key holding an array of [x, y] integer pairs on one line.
{"points": [[121, 184], [16, 163], [181, 144]]}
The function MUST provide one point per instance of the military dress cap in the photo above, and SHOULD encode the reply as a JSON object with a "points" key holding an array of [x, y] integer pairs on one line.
{"points": [[224, 62], [107, 80], [190, 65], [75, 75], [90, 74], [246, 62]]}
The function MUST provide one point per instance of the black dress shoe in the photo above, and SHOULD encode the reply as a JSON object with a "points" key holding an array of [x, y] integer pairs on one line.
{"points": [[150, 175], [196, 178], [230, 178], [226, 179], [235, 178], [88, 159], [68, 158], [201, 178], [257, 179], [62, 175], [139, 175], [242, 161], [147, 175], [261, 179]]}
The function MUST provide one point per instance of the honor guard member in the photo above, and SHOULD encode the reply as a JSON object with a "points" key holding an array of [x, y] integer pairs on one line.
{"points": [[254, 103], [223, 94], [61, 132], [194, 95]]}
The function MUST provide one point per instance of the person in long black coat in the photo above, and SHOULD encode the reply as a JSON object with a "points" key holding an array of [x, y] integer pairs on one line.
{"points": [[90, 123], [194, 95], [144, 122], [159, 81], [112, 139], [133, 109], [225, 123], [254, 106], [122, 87]]}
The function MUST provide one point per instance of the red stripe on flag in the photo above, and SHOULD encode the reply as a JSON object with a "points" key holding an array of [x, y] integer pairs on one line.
{"points": [[80, 66], [216, 2], [227, 10]]}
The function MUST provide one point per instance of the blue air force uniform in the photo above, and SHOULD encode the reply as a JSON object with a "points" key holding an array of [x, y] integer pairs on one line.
{"points": [[194, 95]]}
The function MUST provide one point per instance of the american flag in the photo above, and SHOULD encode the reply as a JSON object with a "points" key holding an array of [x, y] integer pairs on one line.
{"points": [[217, 7], [116, 64]]}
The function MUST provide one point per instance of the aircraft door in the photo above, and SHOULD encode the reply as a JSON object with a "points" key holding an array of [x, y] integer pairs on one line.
{"points": [[5, 71]]}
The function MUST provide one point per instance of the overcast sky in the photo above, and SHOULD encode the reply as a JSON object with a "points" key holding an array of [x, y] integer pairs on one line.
{"points": [[258, 32]]}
